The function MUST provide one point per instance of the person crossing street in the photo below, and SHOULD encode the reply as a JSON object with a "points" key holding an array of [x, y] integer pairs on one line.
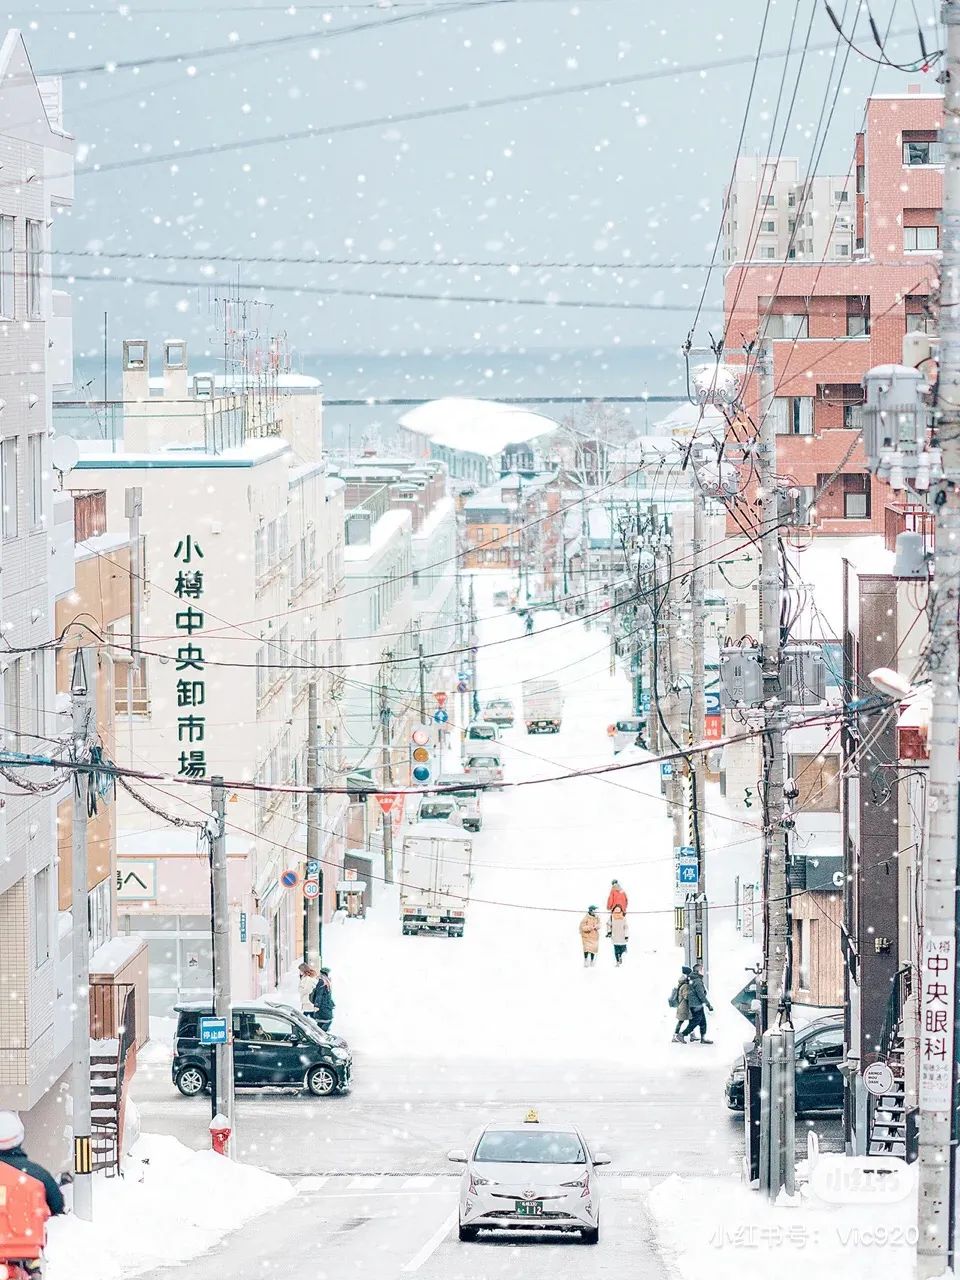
{"points": [[698, 1000], [590, 937]]}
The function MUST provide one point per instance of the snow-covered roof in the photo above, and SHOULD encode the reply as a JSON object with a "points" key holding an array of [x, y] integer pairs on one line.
{"points": [[282, 381], [686, 417], [476, 426]]}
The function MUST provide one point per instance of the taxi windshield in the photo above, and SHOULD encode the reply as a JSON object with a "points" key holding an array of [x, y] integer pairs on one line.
{"points": [[529, 1146]]}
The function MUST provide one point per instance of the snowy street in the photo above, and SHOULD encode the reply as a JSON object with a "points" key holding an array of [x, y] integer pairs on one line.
{"points": [[448, 1034]]}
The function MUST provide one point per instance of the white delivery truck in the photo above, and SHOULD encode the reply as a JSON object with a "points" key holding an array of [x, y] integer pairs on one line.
{"points": [[542, 706], [434, 878]]}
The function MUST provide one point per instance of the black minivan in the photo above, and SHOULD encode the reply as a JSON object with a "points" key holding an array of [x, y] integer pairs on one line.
{"points": [[273, 1045]]}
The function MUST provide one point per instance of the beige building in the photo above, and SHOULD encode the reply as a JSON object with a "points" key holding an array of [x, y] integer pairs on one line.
{"points": [[774, 214]]}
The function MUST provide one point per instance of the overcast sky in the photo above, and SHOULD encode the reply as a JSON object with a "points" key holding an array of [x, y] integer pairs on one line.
{"points": [[634, 171]]}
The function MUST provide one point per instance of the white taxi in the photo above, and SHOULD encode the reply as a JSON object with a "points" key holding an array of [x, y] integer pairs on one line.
{"points": [[531, 1176]]}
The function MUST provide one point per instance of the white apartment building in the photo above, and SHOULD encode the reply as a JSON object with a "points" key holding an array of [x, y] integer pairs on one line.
{"points": [[774, 214], [36, 158], [242, 584]]}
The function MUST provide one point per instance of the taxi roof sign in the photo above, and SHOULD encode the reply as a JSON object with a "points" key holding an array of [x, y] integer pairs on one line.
{"points": [[532, 1117]]}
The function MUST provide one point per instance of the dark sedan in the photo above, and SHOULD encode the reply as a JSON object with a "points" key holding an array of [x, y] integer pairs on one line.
{"points": [[819, 1053]]}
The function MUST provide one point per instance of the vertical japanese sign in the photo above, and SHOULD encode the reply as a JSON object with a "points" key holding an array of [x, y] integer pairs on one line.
{"points": [[191, 686], [937, 1023]]}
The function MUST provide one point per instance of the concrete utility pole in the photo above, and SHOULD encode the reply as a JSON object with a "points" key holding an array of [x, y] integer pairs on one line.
{"points": [[84, 727], [698, 701], [313, 907], [222, 1100], [423, 685], [387, 772], [133, 501], [936, 1246], [776, 1126]]}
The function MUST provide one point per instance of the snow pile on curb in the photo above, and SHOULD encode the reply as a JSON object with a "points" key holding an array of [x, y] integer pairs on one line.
{"points": [[722, 1229], [173, 1204]]}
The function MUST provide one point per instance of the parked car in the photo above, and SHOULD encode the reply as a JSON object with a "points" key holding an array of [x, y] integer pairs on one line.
{"points": [[467, 797], [484, 768], [625, 733], [272, 1045], [501, 599], [819, 1052], [499, 711], [530, 1177]]}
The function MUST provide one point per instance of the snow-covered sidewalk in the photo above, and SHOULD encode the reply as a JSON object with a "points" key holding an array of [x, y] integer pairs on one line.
{"points": [[172, 1205]]}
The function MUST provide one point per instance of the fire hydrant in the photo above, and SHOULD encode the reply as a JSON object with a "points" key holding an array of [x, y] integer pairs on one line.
{"points": [[220, 1132]]}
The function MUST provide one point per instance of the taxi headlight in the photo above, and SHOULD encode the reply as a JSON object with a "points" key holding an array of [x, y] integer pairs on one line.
{"points": [[581, 1182]]}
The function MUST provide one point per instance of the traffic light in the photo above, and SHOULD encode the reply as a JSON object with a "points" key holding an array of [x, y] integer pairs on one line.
{"points": [[421, 753]]}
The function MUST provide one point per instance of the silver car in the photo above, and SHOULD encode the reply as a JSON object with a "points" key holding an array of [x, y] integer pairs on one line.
{"points": [[530, 1177]]}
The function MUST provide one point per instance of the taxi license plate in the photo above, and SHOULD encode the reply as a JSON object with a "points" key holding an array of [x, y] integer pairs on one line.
{"points": [[530, 1208]]}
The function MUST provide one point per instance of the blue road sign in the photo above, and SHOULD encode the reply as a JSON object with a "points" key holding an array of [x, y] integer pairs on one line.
{"points": [[313, 868], [213, 1031], [686, 851], [686, 872], [461, 675], [645, 702], [461, 686], [666, 768], [711, 702], [441, 716], [243, 926], [289, 878]]}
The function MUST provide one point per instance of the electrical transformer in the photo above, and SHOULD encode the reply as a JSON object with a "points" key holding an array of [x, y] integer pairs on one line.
{"points": [[803, 676], [741, 678]]}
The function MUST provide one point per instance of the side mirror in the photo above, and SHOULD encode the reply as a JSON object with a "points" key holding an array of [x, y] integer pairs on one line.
{"points": [[457, 1157], [601, 1158]]}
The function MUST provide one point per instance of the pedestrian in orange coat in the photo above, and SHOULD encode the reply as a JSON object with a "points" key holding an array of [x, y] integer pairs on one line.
{"points": [[617, 897]]}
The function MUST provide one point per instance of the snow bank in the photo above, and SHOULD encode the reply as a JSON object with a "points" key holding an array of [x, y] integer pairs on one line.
{"points": [[172, 1205], [722, 1229]]}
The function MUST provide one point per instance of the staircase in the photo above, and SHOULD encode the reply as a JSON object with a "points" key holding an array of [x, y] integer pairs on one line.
{"points": [[888, 1121], [113, 1033]]}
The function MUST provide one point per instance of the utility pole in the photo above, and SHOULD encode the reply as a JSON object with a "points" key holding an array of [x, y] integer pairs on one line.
{"points": [[938, 1115], [698, 707], [423, 686], [777, 1135], [386, 771], [313, 907], [84, 725], [133, 502], [223, 1094]]}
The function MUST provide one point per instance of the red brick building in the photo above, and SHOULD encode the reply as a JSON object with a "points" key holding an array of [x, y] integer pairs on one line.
{"points": [[832, 320]]}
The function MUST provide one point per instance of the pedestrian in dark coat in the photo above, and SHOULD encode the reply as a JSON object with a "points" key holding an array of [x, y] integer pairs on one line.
{"points": [[323, 1000], [698, 1000], [683, 1004]]}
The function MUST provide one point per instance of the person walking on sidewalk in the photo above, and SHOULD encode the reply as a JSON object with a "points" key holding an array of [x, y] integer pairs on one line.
{"points": [[323, 1000], [698, 1000], [590, 937], [616, 897], [305, 987], [618, 932], [680, 992]]}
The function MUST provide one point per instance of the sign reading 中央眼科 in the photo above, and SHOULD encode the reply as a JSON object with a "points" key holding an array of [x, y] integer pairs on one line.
{"points": [[936, 1022], [191, 686]]}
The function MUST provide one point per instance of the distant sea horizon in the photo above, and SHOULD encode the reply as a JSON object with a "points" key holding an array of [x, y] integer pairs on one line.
{"points": [[592, 373]]}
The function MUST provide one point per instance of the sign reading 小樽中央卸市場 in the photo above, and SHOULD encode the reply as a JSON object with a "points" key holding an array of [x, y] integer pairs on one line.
{"points": [[191, 690]]}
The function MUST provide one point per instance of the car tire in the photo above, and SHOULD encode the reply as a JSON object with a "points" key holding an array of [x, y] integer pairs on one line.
{"points": [[467, 1234], [321, 1081], [191, 1081], [591, 1235]]}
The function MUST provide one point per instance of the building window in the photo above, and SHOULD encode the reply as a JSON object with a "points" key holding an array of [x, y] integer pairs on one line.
{"points": [[842, 250], [768, 225], [818, 778], [791, 199], [41, 917], [918, 316], [787, 327], [922, 146], [8, 485], [98, 915], [793, 415], [856, 497], [861, 179], [478, 535], [35, 479], [11, 705], [858, 317], [36, 710], [768, 251], [842, 197], [921, 239], [770, 201], [7, 269], [34, 268]]}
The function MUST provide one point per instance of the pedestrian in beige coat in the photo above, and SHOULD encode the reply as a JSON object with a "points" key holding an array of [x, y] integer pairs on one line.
{"points": [[590, 936]]}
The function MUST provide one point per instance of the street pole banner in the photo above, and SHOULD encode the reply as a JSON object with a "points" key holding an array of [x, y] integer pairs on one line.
{"points": [[937, 994]]}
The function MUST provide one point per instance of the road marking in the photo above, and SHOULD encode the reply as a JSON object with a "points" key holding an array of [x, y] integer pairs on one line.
{"points": [[365, 1181], [419, 1182], [431, 1246], [312, 1182]]}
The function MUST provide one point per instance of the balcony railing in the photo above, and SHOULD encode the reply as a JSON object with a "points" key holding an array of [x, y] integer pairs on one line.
{"points": [[907, 517]]}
